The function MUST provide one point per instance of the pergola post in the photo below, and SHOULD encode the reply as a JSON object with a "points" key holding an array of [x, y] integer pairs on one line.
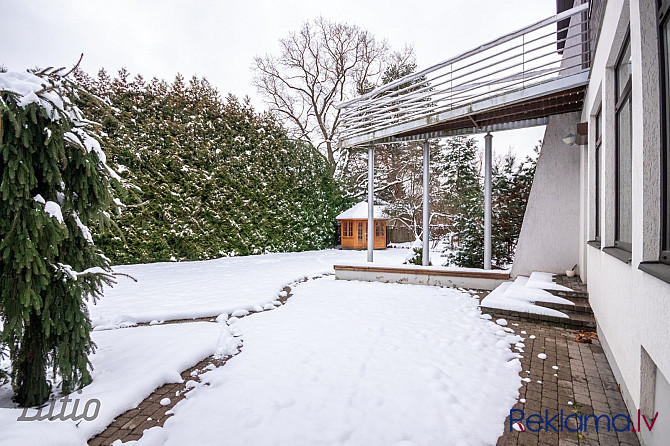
{"points": [[426, 204], [371, 202], [488, 151]]}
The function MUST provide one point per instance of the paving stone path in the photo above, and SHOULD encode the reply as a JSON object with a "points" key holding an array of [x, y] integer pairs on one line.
{"points": [[583, 378]]}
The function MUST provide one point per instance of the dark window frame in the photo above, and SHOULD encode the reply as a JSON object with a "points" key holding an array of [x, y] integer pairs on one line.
{"points": [[598, 166], [622, 99], [664, 53], [379, 229], [348, 229]]}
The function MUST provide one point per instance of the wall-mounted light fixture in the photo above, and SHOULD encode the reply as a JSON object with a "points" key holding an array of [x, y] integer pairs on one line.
{"points": [[581, 138], [570, 139]]}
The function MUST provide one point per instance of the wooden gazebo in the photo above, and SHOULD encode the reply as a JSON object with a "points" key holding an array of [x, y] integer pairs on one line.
{"points": [[354, 226]]}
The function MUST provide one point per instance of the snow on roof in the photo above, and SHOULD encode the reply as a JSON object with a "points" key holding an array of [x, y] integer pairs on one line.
{"points": [[360, 212]]}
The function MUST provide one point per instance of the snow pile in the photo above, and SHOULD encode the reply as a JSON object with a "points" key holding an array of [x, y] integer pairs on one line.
{"points": [[356, 363], [168, 291], [519, 296], [128, 365], [53, 209], [544, 281]]}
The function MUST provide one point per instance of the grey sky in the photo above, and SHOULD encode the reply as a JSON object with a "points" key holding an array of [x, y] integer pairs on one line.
{"points": [[218, 39]]}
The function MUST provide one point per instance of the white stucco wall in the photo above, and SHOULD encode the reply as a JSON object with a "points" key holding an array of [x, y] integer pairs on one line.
{"points": [[632, 308], [549, 238]]}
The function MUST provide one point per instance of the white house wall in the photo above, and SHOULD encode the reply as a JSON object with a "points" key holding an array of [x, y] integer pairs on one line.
{"points": [[550, 234], [632, 308], [549, 237]]}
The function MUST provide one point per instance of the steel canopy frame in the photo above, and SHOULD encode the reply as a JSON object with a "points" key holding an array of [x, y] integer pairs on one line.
{"points": [[523, 66], [496, 87]]}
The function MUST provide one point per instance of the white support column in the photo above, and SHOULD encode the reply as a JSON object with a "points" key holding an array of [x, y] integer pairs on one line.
{"points": [[371, 202], [426, 204], [488, 152]]}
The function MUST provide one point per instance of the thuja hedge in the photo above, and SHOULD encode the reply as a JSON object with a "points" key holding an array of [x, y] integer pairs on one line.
{"points": [[207, 177]]}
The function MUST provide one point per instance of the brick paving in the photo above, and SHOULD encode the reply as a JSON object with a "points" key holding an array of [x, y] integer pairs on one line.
{"points": [[571, 282], [149, 413], [583, 378]]}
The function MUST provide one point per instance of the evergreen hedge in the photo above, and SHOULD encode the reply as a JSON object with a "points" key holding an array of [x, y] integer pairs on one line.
{"points": [[207, 177]]}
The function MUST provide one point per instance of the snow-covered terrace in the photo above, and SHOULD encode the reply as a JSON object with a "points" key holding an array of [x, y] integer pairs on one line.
{"points": [[340, 363]]}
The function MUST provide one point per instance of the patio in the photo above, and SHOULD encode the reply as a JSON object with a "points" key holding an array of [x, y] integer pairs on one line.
{"points": [[584, 377]]}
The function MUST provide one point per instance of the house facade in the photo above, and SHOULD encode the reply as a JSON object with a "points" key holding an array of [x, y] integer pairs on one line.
{"points": [[597, 75], [624, 213], [604, 204]]}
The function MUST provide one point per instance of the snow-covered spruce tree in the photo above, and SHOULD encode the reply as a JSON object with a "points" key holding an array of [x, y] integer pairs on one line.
{"points": [[512, 181], [463, 192], [54, 183]]}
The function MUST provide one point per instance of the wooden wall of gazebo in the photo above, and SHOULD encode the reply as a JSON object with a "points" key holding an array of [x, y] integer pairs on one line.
{"points": [[354, 233]]}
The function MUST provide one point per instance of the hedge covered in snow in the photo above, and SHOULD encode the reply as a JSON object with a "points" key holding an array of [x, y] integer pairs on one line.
{"points": [[206, 177]]}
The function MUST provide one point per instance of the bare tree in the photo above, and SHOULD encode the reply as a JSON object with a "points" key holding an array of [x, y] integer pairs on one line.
{"points": [[321, 64]]}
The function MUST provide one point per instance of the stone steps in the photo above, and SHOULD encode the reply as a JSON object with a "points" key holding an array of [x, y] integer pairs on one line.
{"points": [[570, 294], [580, 314], [577, 319], [581, 305]]}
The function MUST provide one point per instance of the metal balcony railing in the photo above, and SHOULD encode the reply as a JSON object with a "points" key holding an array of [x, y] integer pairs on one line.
{"points": [[546, 57]]}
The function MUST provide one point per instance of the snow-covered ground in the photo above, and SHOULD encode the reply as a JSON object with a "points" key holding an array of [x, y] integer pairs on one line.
{"points": [[128, 366], [356, 363], [183, 290], [340, 363]]}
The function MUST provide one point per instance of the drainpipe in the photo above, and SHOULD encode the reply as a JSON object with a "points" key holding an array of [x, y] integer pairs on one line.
{"points": [[488, 150], [426, 204], [371, 201]]}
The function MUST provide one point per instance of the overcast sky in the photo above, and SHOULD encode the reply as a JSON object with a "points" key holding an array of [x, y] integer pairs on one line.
{"points": [[218, 39]]}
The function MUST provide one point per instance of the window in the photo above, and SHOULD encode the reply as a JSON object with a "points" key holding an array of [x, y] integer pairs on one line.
{"points": [[624, 150], [360, 231], [599, 129], [664, 34], [348, 229], [379, 229]]}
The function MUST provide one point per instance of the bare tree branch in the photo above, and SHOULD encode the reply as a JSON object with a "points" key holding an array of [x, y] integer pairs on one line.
{"points": [[320, 64]]}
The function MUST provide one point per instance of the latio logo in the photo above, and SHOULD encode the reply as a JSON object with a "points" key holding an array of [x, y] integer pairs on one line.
{"points": [[577, 422], [86, 414]]}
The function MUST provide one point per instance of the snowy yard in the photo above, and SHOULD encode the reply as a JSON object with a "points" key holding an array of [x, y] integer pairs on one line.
{"points": [[357, 363], [128, 366], [341, 363], [183, 290]]}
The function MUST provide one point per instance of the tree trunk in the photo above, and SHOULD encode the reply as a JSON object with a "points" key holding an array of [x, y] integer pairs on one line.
{"points": [[30, 380]]}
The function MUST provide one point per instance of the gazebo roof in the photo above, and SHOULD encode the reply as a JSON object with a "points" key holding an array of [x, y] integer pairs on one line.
{"points": [[360, 212]]}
